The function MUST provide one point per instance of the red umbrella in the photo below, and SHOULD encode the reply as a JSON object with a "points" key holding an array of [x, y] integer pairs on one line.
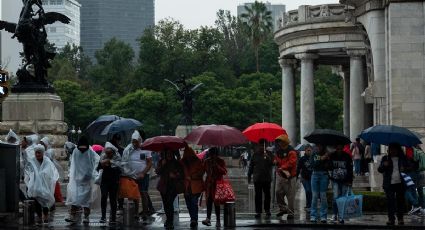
{"points": [[265, 130], [97, 148], [160, 143], [216, 135]]}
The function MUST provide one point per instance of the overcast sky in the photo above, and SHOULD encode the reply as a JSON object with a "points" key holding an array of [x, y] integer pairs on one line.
{"points": [[195, 13]]}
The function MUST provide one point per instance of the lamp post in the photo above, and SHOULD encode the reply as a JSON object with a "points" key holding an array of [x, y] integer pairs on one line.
{"points": [[161, 126], [269, 93], [78, 133], [72, 134]]}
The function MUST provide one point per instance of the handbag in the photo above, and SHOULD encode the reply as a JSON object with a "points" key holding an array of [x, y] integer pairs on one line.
{"points": [[224, 192], [98, 179], [128, 189], [350, 205]]}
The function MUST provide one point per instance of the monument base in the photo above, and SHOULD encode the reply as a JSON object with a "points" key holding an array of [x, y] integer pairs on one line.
{"points": [[183, 130], [41, 113]]}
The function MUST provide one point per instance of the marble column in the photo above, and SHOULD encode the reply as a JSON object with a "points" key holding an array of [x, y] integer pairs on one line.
{"points": [[357, 105], [346, 72], [307, 116], [288, 98]]}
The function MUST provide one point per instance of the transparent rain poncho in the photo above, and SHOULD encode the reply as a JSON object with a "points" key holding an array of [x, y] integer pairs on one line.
{"points": [[12, 138], [50, 153]]}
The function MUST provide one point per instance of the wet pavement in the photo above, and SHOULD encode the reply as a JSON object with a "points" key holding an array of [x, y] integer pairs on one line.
{"points": [[244, 215]]}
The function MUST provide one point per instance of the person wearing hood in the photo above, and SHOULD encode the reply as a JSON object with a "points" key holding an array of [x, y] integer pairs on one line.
{"points": [[109, 181], [194, 183], [286, 170], [12, 138], [50, 153], [40, 178], [27, 146], [81, 179]]}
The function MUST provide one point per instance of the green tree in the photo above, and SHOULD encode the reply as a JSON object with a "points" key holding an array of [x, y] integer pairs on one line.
{"points": [[258, 21]]}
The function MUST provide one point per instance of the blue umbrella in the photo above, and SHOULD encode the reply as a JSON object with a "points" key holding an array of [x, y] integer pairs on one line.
{"points": [[386, 134], [122, 125], [97, 126]]}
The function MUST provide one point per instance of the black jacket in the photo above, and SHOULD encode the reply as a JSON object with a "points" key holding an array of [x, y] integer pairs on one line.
{"points": [[341, 167], [261, 167], [388, 170], [110, 175], [304, 167]]}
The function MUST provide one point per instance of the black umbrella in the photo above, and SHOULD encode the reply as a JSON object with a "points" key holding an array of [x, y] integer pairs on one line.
{"points": [[121, 125], [327, 137], [387, 134], [97, 126]]}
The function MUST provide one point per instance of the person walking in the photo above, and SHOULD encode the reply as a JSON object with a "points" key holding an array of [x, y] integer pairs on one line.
{"points": [[109, 182], [286, 162], [261, 167], [305, 170], [342, 178], [40, 178], [215, 169], [171, 176], [391, 166], [116, 141], [194, 183], [419, 155], [357, 156], [319, 184], [81, 178]]}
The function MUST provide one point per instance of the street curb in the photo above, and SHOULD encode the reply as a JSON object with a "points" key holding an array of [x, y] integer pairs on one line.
{"points": [[333, 226]]}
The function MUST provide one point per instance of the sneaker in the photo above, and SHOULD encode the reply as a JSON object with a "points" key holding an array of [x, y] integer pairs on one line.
{"points": [[206, 222], [102, 220], [218, 224], [391, 223], [414, 210], [334, 219], [258, 216], [86, 220], [341, 221], [70, 218], [281, 213], [193, 223]]}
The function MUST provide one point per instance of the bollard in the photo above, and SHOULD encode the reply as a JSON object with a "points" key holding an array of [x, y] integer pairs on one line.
{"points": [[251, 197], [229, 215], [29, 209], [128, 212]]}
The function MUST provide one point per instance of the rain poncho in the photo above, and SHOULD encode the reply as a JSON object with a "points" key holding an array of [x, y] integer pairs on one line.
{"points": [[126, 165], [10, 136], [32, 141], [40, 179], [116, 159], [50, 153], [81, 178]]}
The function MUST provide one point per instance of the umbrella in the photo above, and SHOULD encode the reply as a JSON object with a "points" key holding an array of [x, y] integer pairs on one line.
{"points": [[98, 125], [121, 125], [97, 148], [300, 147], [265, 130], [327, 137], [216, 135], [386, 134], [202, 155], [160, 143]]}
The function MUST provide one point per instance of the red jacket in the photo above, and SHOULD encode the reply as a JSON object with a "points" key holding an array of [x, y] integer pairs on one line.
{"points": [[288, 163]]}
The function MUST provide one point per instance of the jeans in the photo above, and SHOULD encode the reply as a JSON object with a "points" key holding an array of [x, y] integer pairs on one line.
{"points": [[395, 201], [319, 186], [357, 166], [421, 196], [339, 189], [143, 189], [210, 202], [111, 191], [411, 196], [308, 194], [260, 188], [192, 205], [418, 189], [285, 188], [167, 201]]}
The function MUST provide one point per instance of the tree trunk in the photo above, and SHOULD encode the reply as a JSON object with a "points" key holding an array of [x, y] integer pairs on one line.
{"points": [[256, 59]]}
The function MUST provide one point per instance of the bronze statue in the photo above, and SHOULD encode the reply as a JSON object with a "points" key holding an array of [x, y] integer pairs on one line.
{"points": [[31, 32], [185, 93]]}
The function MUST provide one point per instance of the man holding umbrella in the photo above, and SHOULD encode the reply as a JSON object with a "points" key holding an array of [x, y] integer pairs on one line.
{"points": [[286, 162]]}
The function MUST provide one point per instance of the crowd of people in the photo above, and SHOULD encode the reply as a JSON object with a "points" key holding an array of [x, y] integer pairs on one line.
{"points": [[117, 173]]}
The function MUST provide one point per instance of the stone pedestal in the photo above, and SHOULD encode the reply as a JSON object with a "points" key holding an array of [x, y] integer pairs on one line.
{"points": [[41, 113], [183, 130]]}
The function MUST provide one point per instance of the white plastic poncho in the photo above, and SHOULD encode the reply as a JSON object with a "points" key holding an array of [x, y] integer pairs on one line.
{"points": [[126, 168], [10, 136], [81, 178], [50, 153], [40, 179]]}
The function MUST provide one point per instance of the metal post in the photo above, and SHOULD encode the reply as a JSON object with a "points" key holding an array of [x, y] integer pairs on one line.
{"points": [[129, 212], [251, 197], [229, 215], [29, 209]]}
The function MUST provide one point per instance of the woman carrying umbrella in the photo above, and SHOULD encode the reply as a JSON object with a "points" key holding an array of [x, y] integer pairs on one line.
{"points": [[215, 169], [194, 183]]}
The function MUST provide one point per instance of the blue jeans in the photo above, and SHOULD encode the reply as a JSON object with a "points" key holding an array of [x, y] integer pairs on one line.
{"points": [[308, 193], [339, 189], [411, 196], [319, 186], [192, 205], [418, 189], [357, 166]]}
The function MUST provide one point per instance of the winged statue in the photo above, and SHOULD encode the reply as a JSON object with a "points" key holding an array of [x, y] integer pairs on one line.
{"points": [[31, 32], [185, 93]]}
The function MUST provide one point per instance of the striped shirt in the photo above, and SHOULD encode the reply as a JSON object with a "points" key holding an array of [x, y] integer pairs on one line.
{"points": [[407, 180]]}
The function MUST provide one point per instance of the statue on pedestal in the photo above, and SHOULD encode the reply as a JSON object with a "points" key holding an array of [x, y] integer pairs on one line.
{"points": [[185, 93], [31, 32]]}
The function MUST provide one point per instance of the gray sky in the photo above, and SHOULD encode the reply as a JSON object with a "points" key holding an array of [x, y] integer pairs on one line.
{"points": [[195, 13]]}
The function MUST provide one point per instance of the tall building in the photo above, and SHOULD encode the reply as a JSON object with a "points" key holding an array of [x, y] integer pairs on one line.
{"points": [[9, 48], [277, 11], [59, 33], [102, 20]]}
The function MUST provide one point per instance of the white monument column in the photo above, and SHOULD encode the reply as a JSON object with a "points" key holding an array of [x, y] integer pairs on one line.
{"points": [[307, 116], [357, 105], [346, 72], [288, 98]]}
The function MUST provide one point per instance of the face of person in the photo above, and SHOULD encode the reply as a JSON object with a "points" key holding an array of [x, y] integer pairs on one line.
{"points": [[39, 155], [136, 143], [11, 140], [392, 151], [308, 151], [24, 143], [83, 148], [109, 152]]}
